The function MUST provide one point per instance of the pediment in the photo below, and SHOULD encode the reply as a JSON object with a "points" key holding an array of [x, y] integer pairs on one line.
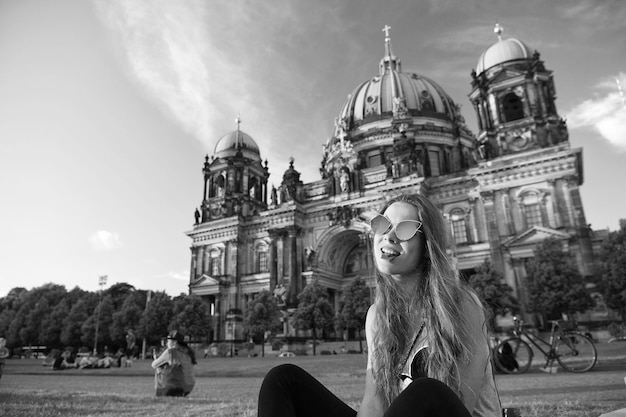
{"points": [[533, 236], [206, 281], [506, 75]]}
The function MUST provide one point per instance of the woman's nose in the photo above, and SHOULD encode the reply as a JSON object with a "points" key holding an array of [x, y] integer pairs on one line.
{"points": [[391, 236]]}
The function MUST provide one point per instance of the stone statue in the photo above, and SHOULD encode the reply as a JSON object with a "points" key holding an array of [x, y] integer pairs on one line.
{"points": [[273, 196], [344, 181], [196, 215]]}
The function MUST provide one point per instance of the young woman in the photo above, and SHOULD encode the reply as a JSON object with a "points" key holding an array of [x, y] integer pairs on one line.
{"points": [[174, 368], [428, 351]]}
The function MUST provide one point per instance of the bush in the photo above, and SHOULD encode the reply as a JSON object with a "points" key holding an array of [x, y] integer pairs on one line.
{"points": [[223, 349], [616, 330]]}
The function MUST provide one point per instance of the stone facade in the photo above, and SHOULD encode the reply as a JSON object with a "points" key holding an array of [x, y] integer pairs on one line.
{"points": [[501, 191]]}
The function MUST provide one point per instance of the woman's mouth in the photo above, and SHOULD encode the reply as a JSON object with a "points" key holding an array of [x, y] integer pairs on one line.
{"points": [[389, 254]]}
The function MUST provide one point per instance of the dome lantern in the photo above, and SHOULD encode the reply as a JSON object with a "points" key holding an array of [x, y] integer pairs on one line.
{"points": [[505, 50], [237, 142]]}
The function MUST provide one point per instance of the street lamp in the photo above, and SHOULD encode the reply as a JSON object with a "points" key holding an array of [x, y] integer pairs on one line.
{"points": [[101, 282]]}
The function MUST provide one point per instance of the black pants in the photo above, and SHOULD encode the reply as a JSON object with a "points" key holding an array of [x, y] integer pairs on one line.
{"points": [[290, 391]]}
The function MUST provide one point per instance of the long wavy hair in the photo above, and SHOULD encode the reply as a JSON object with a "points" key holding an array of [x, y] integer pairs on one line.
{"points": [[437, 301]]}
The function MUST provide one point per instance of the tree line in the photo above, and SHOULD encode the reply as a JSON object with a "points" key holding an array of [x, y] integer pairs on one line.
{"points": [[52, 316]]}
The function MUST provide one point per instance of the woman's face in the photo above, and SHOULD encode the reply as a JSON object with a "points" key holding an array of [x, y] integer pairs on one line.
{"points": [[396, 258]]}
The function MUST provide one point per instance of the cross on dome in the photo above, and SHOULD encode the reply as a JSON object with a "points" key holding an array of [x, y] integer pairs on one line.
{"points": [[238, 138], [498, 30], [386, 30]]}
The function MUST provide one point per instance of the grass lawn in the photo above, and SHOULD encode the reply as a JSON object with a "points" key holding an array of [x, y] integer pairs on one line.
{"points": [[229, 387]]}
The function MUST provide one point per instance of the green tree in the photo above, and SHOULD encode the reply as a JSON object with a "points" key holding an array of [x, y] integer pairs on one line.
{"points": [[314, 311], [30, 332], [555, 285], [611, 265], [157, 317], [493, 291], [52, 325], [353, 305], [118, 293], [127, 316], [71, 332], [192, 317], [262, 316], [104, 319]]}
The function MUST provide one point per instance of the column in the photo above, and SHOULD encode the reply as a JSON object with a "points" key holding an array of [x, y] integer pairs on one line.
{"points": [[192, 267], [294, 284], [492, 230], [272, 259], [471, 215], [581, 228], [232, 262], [199, 258]]}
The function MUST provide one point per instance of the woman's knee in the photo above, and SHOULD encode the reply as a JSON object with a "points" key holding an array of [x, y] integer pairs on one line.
{"points": [[284, 373], [428, 396]]}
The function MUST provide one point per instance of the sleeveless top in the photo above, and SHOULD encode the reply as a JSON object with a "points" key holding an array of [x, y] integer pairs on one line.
{"points": [[487, 400]]}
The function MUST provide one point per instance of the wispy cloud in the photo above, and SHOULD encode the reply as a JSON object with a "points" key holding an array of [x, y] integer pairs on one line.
{"points": [[103, 240], [606, 113], [205, 62], [610, 14], [177, 275], [167, 48]]}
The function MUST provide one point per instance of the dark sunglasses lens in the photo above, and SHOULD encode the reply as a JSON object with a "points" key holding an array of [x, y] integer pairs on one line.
{"points": [[380, 225], [406, 230]]}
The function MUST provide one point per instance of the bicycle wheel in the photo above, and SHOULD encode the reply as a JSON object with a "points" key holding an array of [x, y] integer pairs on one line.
{"points": [[513, 356], [575, 352]]}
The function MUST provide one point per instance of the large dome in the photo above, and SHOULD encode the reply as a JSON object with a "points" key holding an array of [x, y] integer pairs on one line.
{"points": [[235, 141], [375, 98], [505, 50], [394, 95]]}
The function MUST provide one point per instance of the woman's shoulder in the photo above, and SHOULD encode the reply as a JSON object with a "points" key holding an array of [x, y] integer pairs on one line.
{"points": [[370, 318], [471, 306]]}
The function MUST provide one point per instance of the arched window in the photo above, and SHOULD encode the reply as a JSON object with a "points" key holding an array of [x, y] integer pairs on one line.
{"points": [[531, 207], [260, 261], [252, 187], [459, 226], [215, 262], [512, 107], [238, 180], [218, 186]]}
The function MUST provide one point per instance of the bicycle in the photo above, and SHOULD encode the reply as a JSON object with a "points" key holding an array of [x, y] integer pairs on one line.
{"points": [[574, 351]]}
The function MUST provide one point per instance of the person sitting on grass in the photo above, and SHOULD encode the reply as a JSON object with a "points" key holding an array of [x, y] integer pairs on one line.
{"points": [[428, 349], [64, 362], [174, 368], [4, 354]]}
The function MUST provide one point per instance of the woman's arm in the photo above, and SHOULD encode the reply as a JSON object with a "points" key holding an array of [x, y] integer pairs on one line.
{"points": [[372, 403], [472, 373], [166, 357]]}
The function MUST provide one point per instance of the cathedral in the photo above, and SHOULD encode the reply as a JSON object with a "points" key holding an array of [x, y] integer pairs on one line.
{"points": [[501, 190]]}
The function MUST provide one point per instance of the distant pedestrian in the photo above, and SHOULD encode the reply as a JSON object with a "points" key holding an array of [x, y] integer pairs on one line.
{"points": [[174, 368], [131, 342], [4, 353]]}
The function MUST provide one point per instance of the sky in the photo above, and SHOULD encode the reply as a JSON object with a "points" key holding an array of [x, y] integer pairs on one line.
{"points": [[108, 108]]}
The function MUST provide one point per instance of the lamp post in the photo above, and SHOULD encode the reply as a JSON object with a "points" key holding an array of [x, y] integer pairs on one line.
{"points": [[102, 282]]}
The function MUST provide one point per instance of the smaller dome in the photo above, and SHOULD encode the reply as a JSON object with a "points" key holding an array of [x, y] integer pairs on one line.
{"points": [[235, 141], [503, 51]]}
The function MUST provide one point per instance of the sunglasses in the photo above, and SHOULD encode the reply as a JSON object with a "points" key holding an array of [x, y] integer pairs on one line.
{"points": [[405, 229]]}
